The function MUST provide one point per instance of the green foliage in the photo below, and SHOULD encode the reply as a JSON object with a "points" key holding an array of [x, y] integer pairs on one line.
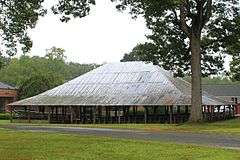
{"points": [[170, 45], [33, 75], [38, 83], [215, 80], [72, 8], [4, 116], [3, 61], [15, 18], [233, 44], [235, 68], [177, 62], [55, 53], [218, 80]]}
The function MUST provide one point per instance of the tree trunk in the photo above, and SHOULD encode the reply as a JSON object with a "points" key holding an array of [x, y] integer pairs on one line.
{"points": [[196, 101]]}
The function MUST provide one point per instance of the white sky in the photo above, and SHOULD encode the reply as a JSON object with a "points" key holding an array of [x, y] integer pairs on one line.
{"points": [[103, 36]]}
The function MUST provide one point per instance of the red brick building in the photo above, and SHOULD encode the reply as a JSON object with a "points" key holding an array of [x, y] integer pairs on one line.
{"points": [[8, 94]]}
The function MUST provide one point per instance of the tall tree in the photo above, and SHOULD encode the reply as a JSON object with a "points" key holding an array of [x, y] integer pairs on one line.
{"points": [[175, 57], [55, 53], [191, 18]]}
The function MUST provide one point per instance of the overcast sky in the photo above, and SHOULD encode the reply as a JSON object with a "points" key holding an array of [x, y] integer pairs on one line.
{"points": [[103, 36]]}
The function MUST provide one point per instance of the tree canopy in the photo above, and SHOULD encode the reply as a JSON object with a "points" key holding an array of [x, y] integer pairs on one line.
{"points": [[34, 75], [16, 17], [234, 49], [178, 62]]}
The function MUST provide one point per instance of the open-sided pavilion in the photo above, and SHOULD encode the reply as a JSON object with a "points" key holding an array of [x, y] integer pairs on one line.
{"points": [[124, 92]]}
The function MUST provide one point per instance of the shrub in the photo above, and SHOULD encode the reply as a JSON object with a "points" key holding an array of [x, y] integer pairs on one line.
{"points": [[4, 116]]}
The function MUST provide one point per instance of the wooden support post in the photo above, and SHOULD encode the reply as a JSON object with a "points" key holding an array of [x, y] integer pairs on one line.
{"points": [[110, 116], [105, 116], [100, 114], [124, 114], [119, 115], [11, 114], [49, 115], [62, 114], [230, 111], [57, 112], [186, 110], [29, 116], [43, 110], [171, 114], [154, 114], [204, 110], [134, 114], [233, 110], [84, 114], [145, 115], [80, 114], [116, 114], [94, 115], [178, 110], [128, 118], [71, 114], [224, 112]]}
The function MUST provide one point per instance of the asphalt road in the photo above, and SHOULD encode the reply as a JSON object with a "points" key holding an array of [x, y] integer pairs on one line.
{"points": [[225, 141]]}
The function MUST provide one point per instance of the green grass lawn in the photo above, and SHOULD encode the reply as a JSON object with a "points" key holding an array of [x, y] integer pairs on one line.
{"points": [[18, 145], [223, 127]]}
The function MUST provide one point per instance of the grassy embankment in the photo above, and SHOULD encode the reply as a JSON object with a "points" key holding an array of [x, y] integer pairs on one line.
{"points": [[18, 145]]}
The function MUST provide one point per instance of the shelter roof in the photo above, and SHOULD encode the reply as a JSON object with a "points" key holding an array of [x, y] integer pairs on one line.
{"points": [[123, 83]]}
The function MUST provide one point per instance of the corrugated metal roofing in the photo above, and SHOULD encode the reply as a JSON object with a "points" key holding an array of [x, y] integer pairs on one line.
{"points": [[6, 86], [223, 90], [123, 83]]}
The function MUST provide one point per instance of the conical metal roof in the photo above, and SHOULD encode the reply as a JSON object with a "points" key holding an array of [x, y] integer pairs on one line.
{"points": [[123, 83]]}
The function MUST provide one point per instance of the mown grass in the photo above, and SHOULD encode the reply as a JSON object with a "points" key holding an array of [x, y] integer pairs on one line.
{"points": [[18, 145], [222, 127]]}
